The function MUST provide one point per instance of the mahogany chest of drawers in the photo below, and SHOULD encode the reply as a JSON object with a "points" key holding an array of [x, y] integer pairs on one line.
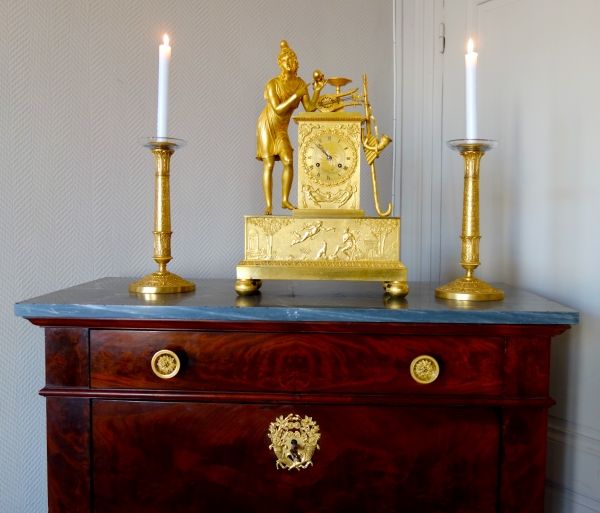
{"points": [[122, 438]]}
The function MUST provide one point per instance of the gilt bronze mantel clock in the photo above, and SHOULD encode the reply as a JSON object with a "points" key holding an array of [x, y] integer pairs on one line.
{"points": [[327, 237]]}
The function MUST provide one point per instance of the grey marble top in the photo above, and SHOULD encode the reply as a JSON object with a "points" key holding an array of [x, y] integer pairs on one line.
{"points": [[216, 299]]}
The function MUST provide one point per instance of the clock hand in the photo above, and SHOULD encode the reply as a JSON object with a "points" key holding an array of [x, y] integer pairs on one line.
{"points": [[324, 152]]}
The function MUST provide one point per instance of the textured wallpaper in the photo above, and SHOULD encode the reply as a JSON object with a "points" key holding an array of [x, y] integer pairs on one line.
{"points": [[78, 83]]}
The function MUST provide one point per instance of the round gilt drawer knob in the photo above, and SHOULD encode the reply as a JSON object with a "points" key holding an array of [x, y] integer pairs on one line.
{"points": [[424, 369], [165, 364]]}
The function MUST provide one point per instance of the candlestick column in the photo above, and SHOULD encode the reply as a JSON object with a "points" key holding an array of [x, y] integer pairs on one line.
{"points": [[470, 223], [469, 288], [162, 212]]}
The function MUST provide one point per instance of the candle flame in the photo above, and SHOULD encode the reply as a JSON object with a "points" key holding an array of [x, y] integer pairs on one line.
{"points": [[470, 46], [166, 40]]}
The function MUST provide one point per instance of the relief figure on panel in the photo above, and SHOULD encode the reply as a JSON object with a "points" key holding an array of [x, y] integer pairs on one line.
{"points": [[310, 231], [347, 246]]}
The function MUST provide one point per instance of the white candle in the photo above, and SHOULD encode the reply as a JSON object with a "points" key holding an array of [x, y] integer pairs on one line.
{"points": [[471, 91], [164, 58]]}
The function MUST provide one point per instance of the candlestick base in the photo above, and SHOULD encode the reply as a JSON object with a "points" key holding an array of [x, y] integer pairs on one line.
{"points": [[469, 288], [161, 283]]}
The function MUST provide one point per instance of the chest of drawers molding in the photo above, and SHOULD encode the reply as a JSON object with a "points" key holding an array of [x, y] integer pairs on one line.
{"points": [[121, 439]]}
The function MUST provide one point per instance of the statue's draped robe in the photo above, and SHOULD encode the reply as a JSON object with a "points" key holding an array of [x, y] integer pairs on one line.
{"points": [[272, 129]]}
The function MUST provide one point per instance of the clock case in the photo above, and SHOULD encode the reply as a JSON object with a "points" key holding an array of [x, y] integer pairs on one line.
{"points": [[330, 195], [328, 237]]}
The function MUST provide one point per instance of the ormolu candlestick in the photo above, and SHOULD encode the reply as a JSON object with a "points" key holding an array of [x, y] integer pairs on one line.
{"points": [[162, 281], [468, 287]]}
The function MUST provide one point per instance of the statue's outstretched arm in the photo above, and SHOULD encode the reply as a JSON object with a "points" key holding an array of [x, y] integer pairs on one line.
{"points": [[310, 104]]}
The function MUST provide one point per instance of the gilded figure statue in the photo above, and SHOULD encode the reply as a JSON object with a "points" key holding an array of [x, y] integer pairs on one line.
{"points": [[283, 95]]}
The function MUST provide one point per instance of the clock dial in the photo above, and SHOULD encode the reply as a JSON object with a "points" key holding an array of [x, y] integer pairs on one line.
{"points": [[329, 158]]}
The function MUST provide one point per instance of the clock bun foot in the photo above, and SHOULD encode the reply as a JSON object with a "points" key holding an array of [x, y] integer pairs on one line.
{"points": [[396, 288], [247, 287]]}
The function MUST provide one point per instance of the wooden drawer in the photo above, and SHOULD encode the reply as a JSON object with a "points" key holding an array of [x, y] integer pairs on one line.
{"points": [[190, 457], [297, 362]]}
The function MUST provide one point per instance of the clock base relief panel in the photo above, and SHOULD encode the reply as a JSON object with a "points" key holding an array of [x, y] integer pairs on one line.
{"points": [[323, 248]]}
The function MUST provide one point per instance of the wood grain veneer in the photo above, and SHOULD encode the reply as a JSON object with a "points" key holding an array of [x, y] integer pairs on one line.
{"points": [[298, 362], [371, 459]]}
